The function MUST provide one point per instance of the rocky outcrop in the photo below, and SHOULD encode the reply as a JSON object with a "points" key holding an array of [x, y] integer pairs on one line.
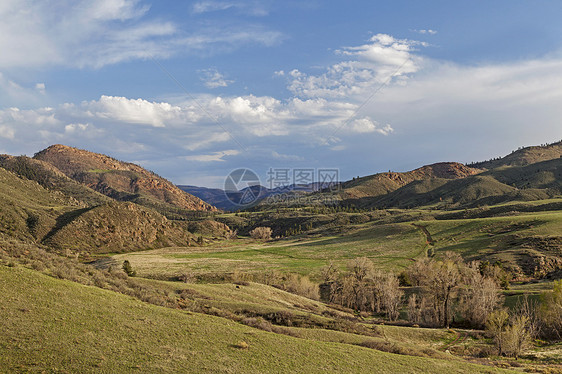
{"points": [[116, 227]]}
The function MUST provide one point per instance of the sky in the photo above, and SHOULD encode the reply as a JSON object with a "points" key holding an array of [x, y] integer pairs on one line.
{"points": [[195, 89]]}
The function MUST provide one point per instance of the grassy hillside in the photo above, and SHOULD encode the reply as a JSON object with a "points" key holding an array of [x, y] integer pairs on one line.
{"points": [[27, 210], [524, 156], [30, 212], [383, 183], [55, 325], [115, 227], [121, 180], [52, 179], [542, 180]]}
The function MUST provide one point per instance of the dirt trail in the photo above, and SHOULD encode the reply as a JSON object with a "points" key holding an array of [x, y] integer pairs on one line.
{"points": [[459, 339], [428, 237]]}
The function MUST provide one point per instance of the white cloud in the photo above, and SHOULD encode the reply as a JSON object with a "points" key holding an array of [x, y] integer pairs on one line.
{"points": [[459, 103], [383, 59], [42, 116], [196, 141], [93, 34], [362, 125], [136, 111], [213, 157], [14, 94], [281, 156], [73, 127], [212, 78], [40, 87], [387, 129]]}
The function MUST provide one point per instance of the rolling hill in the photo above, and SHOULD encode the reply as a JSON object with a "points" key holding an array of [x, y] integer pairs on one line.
{"points": [[524, 156], [52, 179], [538, 181], [122, 181], [55, 325], [30, 212], [383, 183]]}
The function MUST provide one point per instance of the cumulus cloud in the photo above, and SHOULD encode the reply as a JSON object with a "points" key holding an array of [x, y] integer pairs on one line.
{"points": [[366, 125], [136, 111], [212, 78], [460, 103], [74, 127], [383, 59], [93, 34]]}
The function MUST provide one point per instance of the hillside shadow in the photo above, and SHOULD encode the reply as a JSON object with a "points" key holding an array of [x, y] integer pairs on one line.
{"points": [[63, 220]]}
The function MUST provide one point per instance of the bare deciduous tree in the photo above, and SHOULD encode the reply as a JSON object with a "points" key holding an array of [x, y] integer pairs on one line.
{"points": [[392, 297], [439, 281], [479, 297]]}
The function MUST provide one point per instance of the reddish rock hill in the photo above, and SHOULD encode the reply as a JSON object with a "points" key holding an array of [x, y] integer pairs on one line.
{"points": [[121, 180], [383, 183]]}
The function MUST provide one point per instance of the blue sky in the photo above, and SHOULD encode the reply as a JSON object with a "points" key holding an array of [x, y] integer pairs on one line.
{"points": [[195, 89]]}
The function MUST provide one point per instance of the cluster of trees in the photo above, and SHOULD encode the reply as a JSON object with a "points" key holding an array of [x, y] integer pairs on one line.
{"points": [[365, 289], [298, 229], [449, 286], [444, 289]]}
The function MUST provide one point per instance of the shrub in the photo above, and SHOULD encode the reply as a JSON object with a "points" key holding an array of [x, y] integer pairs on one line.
{"points": [[242, 345], [301, 285], [128, 269], [262, 232]]}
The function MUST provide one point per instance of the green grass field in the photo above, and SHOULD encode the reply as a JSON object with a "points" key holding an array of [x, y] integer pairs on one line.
{"points": [[51, 325], [391, 246]]}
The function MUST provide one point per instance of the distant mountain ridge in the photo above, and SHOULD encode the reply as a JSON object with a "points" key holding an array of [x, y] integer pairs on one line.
{"points": [[121, 181], [226, 201]]}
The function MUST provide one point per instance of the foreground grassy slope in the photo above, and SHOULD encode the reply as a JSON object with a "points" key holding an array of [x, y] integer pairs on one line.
{"points": [[56, 325]]}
